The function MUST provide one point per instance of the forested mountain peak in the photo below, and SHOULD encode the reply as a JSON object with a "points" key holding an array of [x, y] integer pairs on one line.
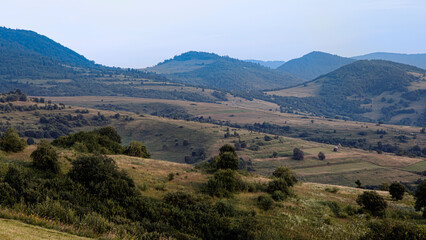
{"points": [[223, 72], [18, 42], [314, 64]]}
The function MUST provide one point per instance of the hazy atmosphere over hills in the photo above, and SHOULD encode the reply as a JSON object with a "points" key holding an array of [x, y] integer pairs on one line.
{"points": [[255, 120]]}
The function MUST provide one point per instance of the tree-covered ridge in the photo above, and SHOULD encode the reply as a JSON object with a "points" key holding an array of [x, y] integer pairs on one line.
{"points": [[33, 44], [223, 72], [368, 78], [314, 64]]}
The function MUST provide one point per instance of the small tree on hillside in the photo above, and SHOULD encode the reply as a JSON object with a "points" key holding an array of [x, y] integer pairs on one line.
{"points": [[11, 142], [420, 195], [136, 149], [358, 183], [45, 157], [228, 159], [283, 180], [286, 174], [298, 154], [397, 190], [321, 156], [372, 202]]}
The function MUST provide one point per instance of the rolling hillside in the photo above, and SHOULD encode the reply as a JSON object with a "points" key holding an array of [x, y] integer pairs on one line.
{"points": [[418, 60], [373, 90], [314, 64], [211, 70]]}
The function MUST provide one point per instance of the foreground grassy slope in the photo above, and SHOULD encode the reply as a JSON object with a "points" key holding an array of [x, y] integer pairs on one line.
{"points": [[316, 211], [16, 230]]}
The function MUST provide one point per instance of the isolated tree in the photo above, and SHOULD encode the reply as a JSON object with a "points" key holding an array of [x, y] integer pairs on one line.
{"points": [[372, 202], [420, 195], [228, 159], [11, 142], [136, 149], [274, 154], [30, 141], [298, 154], [358, 183], [45, 157], [397, 190], [321, 156]]}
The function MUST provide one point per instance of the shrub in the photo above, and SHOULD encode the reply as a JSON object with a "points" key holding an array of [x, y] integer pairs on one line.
{"points": [[278, 196], [332, 190], [298, 154], [285, 174], [228, 159], [321, 156], [45, 157], [136, 149], [7, 194], [171, 176], [30, 141], [11, 142], [265, 202], [180, 199], [96, 222], [225, 209], [420, 195], [372, 202], [224, 183], [102, 178], [279, 184], [397, 190], [15, 179], [109, 132], [384, 230]]}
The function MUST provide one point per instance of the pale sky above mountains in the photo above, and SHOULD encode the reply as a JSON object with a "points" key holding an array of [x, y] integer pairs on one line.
{"points": [[131, 33]]}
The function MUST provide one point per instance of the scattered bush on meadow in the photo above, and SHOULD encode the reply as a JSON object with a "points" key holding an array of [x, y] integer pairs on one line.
{"points": [[136, 149], [372, 202], [265, 202], [397, 190], [228, 159], [298, 154], [11, 142], [224, 183], [45, 157], [321, 156], [283, 180]]}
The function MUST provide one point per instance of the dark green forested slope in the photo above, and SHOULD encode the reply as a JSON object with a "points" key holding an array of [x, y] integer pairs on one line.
{"points": [[211, 70], [374, 90], [368, 78], [314, 64], [25, 42]]}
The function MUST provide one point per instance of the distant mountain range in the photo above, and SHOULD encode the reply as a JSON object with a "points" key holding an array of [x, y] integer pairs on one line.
{"points": [[418, 60], [369, 90], [212, 70], [269, 64], [313, 65]]}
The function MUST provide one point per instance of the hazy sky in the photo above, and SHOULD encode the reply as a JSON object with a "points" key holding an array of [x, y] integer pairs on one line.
{"points": [[131, 33]]}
